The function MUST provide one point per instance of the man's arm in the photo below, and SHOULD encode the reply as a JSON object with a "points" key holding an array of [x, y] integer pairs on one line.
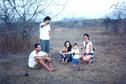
{"points": [[38, 57], [42, 25]]}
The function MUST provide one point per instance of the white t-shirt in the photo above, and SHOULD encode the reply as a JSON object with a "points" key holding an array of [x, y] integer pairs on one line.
{"points": [[77, 52], [31, 60], [44, 31], [87, 47]]}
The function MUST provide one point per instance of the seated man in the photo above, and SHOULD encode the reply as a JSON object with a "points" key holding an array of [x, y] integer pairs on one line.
{"points": [[39, 57]]}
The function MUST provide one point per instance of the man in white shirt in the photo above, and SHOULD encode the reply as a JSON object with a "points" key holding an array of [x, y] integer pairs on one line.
{"points": [[45, 31], [39, 57]]}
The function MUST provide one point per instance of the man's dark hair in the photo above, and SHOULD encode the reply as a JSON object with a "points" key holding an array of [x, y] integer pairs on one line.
{"points": [[36, 45], [47, 18], [86, 35]]}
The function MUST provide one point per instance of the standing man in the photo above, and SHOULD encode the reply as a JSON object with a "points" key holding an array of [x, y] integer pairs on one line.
{"points": [[45, 31]]}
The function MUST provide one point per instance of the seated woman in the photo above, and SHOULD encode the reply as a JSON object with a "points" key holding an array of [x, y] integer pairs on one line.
{"points": [[88, 51], [65, 55]]}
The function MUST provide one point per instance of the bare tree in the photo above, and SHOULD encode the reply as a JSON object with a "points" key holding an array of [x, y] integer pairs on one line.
{"points": [[17, 18], [116, 20]]}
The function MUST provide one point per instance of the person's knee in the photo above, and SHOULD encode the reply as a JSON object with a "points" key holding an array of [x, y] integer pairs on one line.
{"points": [[40, 61], [85, 58], [49, 59]]}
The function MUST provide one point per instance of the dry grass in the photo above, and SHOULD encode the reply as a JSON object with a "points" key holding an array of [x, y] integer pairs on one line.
{"points": [[108, 67]]}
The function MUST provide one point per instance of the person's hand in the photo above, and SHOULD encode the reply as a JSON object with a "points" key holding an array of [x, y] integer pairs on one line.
{"points": [[44, 24]]}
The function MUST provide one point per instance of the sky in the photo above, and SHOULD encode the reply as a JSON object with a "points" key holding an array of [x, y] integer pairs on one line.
{"points": [[88, 9], [64, 9]]}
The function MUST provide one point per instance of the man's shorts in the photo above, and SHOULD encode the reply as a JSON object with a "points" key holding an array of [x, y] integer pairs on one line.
{"points": [[75, 61]]}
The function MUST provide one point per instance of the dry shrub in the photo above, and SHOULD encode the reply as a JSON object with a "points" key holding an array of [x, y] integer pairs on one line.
{"points": [[16, 41]]}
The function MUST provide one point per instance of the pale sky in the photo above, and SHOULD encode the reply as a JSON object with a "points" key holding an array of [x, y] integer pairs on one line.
{"points": [[89, 9]]}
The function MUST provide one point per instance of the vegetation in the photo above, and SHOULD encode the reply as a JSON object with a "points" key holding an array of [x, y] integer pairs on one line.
{"points": [[115, 22]]}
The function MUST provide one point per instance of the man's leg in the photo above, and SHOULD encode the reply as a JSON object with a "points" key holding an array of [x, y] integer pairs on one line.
{"points": [[43, 63], [51, 66], [47, 46], [50, 63], [43, 45]]}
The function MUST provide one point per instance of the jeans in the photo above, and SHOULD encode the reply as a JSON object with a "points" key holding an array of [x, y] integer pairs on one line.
{"points": [[75, 61], [67, 56], [45, 45]]}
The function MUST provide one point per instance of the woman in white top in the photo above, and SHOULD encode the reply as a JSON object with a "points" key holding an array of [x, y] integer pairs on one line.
{"points": [[88, 51]]}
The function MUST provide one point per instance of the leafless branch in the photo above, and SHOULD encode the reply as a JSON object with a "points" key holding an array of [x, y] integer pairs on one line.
{"points": [[60, 10]]}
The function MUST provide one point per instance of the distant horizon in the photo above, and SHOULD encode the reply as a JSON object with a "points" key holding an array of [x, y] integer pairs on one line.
{"points": [[88, 9]]}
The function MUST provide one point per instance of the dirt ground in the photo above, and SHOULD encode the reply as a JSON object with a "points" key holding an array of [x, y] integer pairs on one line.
{"points": [[109, 66]]}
